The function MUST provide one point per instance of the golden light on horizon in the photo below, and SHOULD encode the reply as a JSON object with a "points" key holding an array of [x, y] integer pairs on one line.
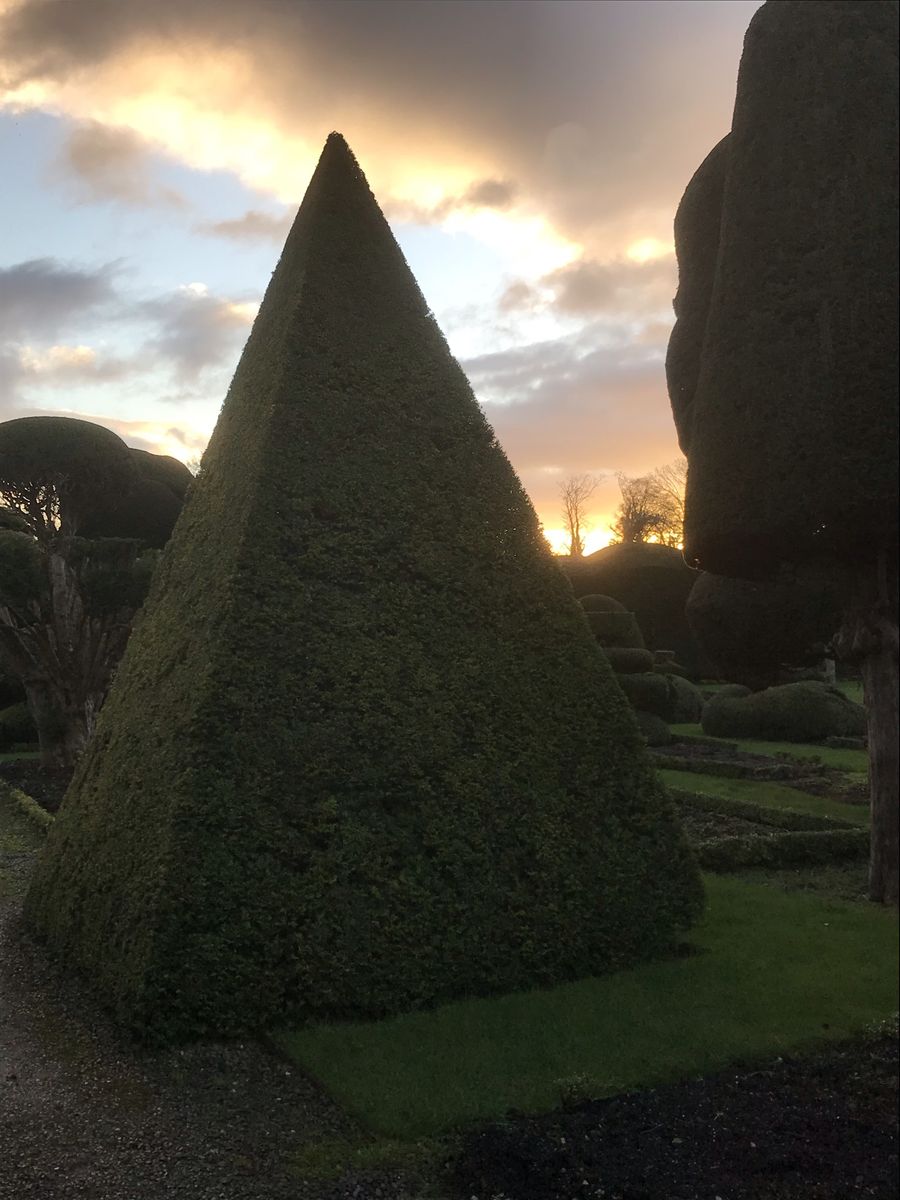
{"points": [[646, 249], [559, 540]]}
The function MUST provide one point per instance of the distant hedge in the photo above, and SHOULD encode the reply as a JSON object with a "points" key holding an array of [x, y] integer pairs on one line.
{"points": [[783, 850], [651, 581]]}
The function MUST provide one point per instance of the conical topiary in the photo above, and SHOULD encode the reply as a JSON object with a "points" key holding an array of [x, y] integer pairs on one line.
{"points": [[362, 754]]}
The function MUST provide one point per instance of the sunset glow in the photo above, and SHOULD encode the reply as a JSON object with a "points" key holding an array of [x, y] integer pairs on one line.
{"points": [[154, 166]]}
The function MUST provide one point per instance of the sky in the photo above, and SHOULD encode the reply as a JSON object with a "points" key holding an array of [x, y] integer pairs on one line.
{"points": [[529, 155]]}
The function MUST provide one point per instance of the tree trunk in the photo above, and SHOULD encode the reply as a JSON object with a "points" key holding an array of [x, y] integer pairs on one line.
{"points": [[62, 724], [880, 684], [869, 637], [65, 659]]}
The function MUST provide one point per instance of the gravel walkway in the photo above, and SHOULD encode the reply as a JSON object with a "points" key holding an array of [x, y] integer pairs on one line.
{"points": [[85, 1114]]}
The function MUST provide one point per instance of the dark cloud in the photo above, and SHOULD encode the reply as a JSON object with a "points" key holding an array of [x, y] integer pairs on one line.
{"points": [[497, 194], [586, 288], [195, 331], [252, 225], [599, 111], [107, 163], [42, 295]]}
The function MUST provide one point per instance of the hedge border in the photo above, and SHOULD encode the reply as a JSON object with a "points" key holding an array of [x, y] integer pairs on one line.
{"points": [[809, 848], [787, 819], [28, 807]]}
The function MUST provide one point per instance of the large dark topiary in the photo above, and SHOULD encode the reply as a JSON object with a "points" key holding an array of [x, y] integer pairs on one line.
{"points": [[150, 509], [751, 629], [783, 363], [794, 712], [338, 774]]}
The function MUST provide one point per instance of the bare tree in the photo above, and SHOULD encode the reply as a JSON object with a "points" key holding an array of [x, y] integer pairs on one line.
{"points": [[670, 481], [576, 491], [652, 506]]}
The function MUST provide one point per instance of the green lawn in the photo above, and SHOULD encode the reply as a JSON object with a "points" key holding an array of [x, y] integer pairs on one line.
{"points": [[12, 755], [776, 971], [763, 792], [853, 761]]}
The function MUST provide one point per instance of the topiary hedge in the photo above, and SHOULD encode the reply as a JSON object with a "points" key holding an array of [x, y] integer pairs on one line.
{"points": [[783, 849], [628, 660], [780, 818], [795, 712], [615, 629], [651, 581], [656, 732], [338, 775]]}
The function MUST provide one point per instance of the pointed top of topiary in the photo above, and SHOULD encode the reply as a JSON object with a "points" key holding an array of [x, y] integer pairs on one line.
{"points": [[337, 774]]}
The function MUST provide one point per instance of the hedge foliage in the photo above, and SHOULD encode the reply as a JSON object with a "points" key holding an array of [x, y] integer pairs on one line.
{"points": [[338, 773], [149, 510], [795, 712], [780, 818], [751, 629], [783, 849], [783, 378], [628, 660]]}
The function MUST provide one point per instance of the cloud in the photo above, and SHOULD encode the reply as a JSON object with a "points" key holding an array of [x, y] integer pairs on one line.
{"points": [[40, 296], [591, 401], [196, 330], [250, 226], [599, 112], [496, 195], [107, 163], [585, 288]]}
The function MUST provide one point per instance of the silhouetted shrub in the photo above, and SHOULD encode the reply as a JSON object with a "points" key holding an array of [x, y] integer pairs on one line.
{"points": [[647, 693], [651, 581], [597, 603], [16, 726], [795, 712], [685, 698], [751, 629], [628, 660], [656, 732]]}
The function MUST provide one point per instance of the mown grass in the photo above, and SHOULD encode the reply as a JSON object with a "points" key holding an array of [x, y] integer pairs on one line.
{"points": [[764, 792], [855, 762], [14, 755], [775, 971]]}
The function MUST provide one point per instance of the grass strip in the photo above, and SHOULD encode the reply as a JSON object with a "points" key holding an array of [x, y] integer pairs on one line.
{"points": [[779, 818], [765, 794], [854, 761], [775, 971]]}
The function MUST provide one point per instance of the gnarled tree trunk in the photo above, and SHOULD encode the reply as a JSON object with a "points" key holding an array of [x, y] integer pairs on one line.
{"points": [[64, 658]]}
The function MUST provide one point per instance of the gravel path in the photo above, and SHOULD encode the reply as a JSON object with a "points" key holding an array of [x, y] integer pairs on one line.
{"points": [[85, 1114]]}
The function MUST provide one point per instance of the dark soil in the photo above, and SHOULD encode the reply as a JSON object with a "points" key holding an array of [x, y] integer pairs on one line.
{"points": [[819, 1128], [717, 752], [27, 774]]}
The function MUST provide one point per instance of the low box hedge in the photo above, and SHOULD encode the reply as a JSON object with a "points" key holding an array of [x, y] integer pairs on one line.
{"points": [[793, 849], [780, 818]]}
